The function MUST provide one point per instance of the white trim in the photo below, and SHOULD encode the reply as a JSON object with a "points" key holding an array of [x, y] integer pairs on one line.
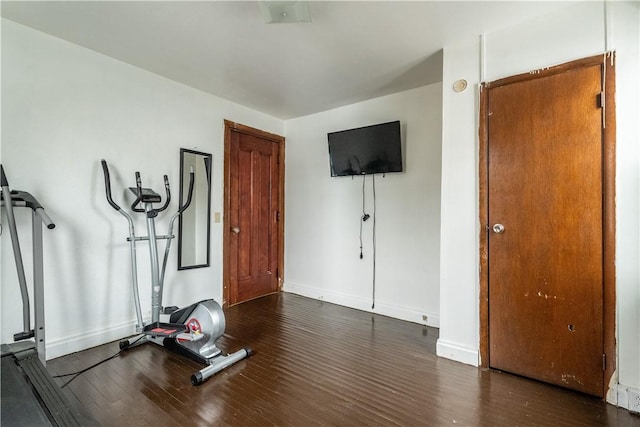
{"points": [[359, 303], [83, 341], [457, 352], [627, 398]]}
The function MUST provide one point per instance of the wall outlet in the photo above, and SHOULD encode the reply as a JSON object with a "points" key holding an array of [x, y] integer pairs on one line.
{"points": [[634, 401]]}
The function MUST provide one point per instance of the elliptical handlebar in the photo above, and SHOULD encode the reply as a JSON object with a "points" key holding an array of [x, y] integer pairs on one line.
{"points": [[107, 185], [140, 196], [191, 183], [134, 205], [139, 192], [168, 191]]}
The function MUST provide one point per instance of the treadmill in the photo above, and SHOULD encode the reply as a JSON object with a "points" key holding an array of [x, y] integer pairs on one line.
{"points": [[29, 396]]}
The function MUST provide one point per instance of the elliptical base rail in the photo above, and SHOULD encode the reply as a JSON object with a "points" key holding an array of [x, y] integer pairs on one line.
{"points": [[218, 364]]}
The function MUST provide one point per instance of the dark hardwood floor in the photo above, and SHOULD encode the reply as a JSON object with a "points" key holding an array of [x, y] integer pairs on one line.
{"points": [[319, 364]]}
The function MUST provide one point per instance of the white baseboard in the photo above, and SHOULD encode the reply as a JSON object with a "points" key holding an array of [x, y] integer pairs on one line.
{"points": [[626, 397], [364, 304], [457, 352], [79, 342]]}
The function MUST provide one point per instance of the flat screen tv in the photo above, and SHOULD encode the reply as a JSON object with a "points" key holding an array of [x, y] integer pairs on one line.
{"points": [[366, 150]]}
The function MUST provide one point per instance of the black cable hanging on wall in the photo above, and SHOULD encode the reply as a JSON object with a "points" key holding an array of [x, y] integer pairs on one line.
{"points": [[373, 303], [364, 216]]}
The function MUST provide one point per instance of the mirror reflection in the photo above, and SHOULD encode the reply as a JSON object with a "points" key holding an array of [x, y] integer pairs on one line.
{"points": [[194, 223]]}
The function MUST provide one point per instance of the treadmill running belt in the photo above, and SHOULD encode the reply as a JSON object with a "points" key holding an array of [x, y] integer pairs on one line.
{"points": [[30, 397], [19, 405]]}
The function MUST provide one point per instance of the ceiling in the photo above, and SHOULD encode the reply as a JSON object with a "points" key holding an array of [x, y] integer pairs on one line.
{"points": [[350, 52]]}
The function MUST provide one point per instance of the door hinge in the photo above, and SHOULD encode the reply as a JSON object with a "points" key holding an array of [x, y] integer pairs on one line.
{"points": [[604, 362], [277, 216], [601, 96]]}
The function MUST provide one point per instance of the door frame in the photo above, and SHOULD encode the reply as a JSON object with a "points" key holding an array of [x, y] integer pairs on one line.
{"points": [[230, 127], [607, 61]]}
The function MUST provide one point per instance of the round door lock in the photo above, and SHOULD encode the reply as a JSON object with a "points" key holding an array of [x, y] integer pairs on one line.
{"points": [[498, 228]]}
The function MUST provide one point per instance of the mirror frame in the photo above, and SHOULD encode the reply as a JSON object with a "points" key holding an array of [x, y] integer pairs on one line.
{"points": [[182, 198]]}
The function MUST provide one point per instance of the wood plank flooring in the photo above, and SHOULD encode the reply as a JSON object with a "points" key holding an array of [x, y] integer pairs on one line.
{"points": [[319, 364]]}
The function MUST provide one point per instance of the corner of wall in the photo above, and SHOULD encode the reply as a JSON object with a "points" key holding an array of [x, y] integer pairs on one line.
{"points": [[625, 397], [457, 352], [79, 342], [359, 303]]}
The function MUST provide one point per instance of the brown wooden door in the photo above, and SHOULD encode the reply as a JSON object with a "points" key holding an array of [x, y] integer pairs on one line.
{"points": [[545, 187], [253, 214]]}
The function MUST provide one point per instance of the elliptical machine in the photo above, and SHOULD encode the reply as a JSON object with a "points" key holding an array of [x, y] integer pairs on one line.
{"points": [[192, 330]]}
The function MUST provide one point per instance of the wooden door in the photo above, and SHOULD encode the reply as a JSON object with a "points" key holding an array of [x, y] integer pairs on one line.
{"points": [[252, 213], [545, 228]]}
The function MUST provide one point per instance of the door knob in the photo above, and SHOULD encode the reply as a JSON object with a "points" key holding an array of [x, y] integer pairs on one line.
{"points": [[498, 228], [236, 230]]}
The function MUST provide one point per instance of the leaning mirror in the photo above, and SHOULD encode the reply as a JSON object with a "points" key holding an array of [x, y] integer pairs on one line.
{"points": [[194, 223]]}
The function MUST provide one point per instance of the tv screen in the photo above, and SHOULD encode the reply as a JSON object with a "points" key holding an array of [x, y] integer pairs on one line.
{"points": [[366, 150]]}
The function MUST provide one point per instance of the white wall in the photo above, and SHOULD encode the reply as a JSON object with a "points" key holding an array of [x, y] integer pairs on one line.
{"points": [[459, 247], [63, 109], [625, 39], [323, 213], [571, 33]]}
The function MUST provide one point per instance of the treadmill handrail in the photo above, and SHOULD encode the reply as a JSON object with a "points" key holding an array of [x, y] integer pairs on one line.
{"points": [[11, 199], [24, 199]]}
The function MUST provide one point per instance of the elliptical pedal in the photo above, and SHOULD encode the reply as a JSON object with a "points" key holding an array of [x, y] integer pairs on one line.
{"points": [[165, 330]]}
